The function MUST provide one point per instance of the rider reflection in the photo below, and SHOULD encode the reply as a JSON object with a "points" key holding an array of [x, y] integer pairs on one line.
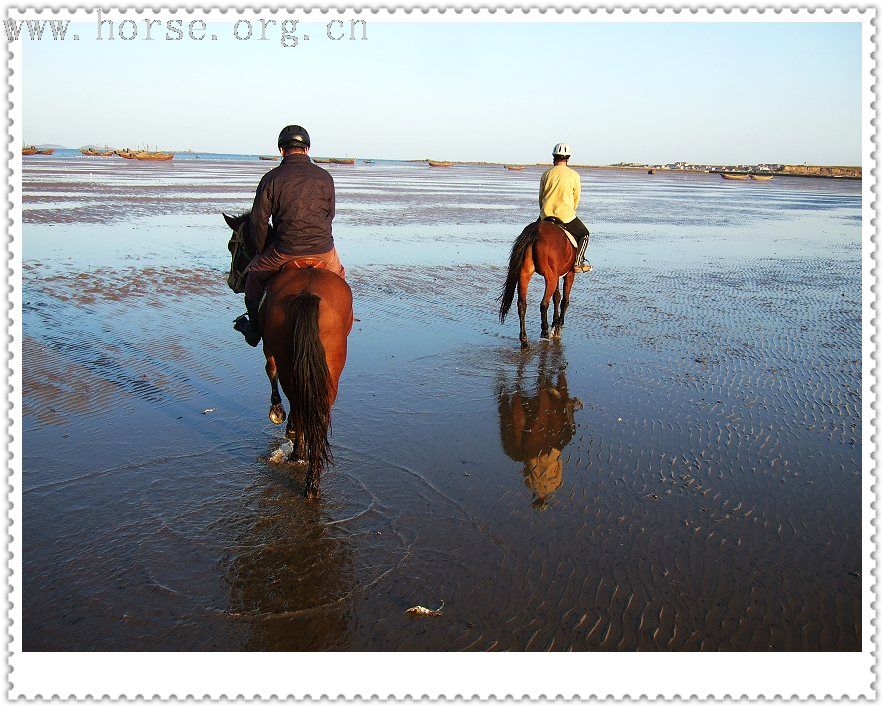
{"points": [[536, 427]]}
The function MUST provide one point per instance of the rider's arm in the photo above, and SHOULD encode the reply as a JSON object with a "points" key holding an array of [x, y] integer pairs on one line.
{"points": [[331, 199], [577, 194], [260, 215]]}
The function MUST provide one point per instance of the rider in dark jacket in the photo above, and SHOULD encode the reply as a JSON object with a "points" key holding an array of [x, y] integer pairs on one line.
{"points": [[300, 197]]}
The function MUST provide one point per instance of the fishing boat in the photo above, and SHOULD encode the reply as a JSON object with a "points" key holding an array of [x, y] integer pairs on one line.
{"points": [[343, 160], [731, 175], [368, 162], [92, 152], [515, 168], [46, 151], [439, 163], [155, 156], [28, 150], [761, 178], [127, 154], [268, 157], [322, 160]]}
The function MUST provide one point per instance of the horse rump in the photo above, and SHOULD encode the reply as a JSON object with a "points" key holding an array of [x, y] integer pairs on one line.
{"points": [[525, 240]]}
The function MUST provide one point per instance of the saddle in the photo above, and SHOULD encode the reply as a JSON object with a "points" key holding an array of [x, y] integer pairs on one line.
{"points": [[304, 262], [561, 224]]}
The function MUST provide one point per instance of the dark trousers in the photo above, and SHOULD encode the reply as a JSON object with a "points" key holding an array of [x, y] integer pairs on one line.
{"points": [[577, 228], [581, 233]]}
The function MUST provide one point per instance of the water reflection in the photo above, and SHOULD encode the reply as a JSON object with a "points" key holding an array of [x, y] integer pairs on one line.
{"points": [[292, 574], [537, 423]]}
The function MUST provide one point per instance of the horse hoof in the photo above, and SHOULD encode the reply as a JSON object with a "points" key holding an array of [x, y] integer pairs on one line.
{"points": [[277, 414], [544, 335], [311, 494], [524, 343]]}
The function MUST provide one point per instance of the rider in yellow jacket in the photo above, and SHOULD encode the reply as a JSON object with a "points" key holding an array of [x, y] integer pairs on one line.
{"points": [[559, 199]]}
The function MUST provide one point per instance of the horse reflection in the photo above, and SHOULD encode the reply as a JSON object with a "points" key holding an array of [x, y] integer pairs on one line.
{"points": [[536, 427], [291, 576]]}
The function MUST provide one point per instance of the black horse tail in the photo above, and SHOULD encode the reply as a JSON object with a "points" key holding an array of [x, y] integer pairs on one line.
{"points": [[525, 240], [311, 412]]}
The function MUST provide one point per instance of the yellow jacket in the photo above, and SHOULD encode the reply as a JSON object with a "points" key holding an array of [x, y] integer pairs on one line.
{"points": [[560, 193]]}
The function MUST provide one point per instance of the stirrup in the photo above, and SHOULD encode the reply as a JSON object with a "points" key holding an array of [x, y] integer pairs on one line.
{"points": [[582, 268]]}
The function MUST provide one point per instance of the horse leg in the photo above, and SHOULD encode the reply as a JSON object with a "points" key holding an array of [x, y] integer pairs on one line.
{"points": [[524, 278], [557, 297], [551, 285], [566, 299], [277, 412], [313, 473], [299, 445]]}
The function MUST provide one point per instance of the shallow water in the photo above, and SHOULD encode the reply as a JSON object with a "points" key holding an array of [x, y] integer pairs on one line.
{"points": [[681, 472]]}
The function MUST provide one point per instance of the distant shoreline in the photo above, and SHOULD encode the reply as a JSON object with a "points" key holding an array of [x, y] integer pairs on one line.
{"points": [[824, 171], [819, 171]]}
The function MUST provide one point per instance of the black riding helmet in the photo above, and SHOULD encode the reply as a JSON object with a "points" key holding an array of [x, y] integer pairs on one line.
{"points": [[293, 136]]}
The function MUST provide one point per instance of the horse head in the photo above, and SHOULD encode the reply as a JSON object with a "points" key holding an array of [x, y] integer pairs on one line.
{"points": [[235, 222]]}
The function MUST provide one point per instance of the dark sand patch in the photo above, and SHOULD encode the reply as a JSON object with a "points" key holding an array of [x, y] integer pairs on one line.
{"points": [[149, 282]]}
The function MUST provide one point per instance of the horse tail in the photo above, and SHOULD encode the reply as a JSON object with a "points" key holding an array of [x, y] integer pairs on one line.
{"points": [[311, 411], [526, 239]]}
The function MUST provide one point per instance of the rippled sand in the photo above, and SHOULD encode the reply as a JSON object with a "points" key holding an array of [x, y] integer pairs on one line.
{"points": [[681, 472]]}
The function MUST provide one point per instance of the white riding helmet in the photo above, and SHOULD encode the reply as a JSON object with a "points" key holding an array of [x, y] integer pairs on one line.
{"points": [[562, 150]]}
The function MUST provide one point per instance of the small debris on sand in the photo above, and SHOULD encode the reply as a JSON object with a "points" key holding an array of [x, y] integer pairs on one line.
{"points": [[424, 612]]}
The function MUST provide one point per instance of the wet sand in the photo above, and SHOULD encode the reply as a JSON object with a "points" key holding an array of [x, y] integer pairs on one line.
{"points": [[681, 472]]}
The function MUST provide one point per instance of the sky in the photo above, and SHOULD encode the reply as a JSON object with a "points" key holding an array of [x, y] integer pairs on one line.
{"points": [[728, 93]]}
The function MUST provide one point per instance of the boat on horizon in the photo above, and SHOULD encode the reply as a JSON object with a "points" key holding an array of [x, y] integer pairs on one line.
{"points": [[731, 175], [154, 156], [439, 163], [761, 178], [28, 150], [343, 160], [94, 152], [268, 157], [515, 168]]}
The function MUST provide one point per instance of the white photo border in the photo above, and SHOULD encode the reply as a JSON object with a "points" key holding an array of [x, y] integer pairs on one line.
{"points": [[79, 675]]}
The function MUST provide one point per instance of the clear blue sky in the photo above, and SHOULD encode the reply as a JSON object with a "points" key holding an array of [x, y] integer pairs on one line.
{"points": [[730, 93]]}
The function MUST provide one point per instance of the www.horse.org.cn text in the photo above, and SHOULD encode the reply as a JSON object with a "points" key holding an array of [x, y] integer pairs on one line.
{"points": [[288, 32]]}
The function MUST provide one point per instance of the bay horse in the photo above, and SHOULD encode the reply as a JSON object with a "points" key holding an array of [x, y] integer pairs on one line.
{"points": [[543, 248], [305, 318]]}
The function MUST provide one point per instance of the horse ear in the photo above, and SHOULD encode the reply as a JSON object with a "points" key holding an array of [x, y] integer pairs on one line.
{"points": [[231, 222]]}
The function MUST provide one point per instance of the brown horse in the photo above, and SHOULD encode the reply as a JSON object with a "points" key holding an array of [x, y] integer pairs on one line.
{"points": [[543, 248], [305, 318]]}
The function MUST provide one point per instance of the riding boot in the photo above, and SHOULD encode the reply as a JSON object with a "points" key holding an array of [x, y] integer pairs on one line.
{"points": [[580, 264], [248, 324]]}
